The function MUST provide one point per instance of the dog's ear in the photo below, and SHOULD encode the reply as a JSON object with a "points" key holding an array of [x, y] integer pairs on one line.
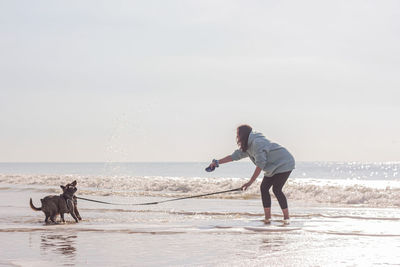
{"points": [[62, 187], [73, 183]]}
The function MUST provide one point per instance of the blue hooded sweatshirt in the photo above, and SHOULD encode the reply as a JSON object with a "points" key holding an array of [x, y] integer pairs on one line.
{"points": [[272, 158]]}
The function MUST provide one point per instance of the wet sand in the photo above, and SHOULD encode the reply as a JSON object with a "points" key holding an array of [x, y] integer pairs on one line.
{"points": [[219, 232]]}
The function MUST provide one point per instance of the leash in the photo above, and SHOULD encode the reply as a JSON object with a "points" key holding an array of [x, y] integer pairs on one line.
{"points": [[163, 201]]}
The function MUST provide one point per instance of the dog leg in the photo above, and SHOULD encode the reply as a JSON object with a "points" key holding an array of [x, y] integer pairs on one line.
{"points": [[75, 200], [53, 217], [62, 217], [71, 208], [73, 215], [47, 218], [77, 213]]}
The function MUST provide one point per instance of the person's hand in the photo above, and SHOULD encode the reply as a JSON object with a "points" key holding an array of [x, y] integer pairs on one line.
{"points": [[214, 164], [245, 186]]}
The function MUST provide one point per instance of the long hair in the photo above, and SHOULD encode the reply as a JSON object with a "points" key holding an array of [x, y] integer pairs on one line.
{"points": [[242, 138]]}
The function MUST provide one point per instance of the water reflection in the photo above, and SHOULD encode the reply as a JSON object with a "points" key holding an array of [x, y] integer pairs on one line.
{"points": [[62, 245], [273, 243]]}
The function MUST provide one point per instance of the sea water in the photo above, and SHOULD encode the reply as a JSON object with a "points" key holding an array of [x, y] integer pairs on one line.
{"points": [[342, 213], [376, 184]]}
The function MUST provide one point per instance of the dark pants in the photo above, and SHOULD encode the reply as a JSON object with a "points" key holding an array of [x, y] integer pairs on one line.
{"points": [[277, 181]]}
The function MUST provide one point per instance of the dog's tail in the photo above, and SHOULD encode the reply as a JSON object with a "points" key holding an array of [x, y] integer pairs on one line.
{"points": [[33, 207]]}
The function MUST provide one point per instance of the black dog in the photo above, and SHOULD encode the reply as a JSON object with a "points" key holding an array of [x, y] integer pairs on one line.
{"points": [[73, 184], [64, 203]]}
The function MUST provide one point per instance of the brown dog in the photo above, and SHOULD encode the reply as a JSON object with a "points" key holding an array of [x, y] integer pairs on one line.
{"points": [[64, 203]]}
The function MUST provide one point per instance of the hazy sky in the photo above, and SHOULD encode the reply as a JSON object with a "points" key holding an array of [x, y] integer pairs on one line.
{"points": [[171, 80]]}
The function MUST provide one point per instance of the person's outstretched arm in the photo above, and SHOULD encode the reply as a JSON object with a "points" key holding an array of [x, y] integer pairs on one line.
{"points": [[236, 155], [225, 160], [256, 173], [221, 161]]}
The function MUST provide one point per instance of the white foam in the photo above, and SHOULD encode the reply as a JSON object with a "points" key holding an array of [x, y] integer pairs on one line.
{"points": [[365, 192]]}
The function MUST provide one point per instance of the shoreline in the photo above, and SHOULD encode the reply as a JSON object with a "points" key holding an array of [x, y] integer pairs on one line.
{"points": [[195, 232]]}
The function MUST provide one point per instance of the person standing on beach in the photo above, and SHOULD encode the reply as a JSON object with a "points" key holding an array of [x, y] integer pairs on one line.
{"points": [[275, 160]]}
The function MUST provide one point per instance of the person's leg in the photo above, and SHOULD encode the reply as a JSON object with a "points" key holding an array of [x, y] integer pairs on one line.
{"points": [[267, 214], [266, 197], [285, 214], [278, 182]]}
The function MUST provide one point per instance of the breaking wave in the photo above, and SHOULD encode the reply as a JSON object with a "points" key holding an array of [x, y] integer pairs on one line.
{"points": [[348, 192]]}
